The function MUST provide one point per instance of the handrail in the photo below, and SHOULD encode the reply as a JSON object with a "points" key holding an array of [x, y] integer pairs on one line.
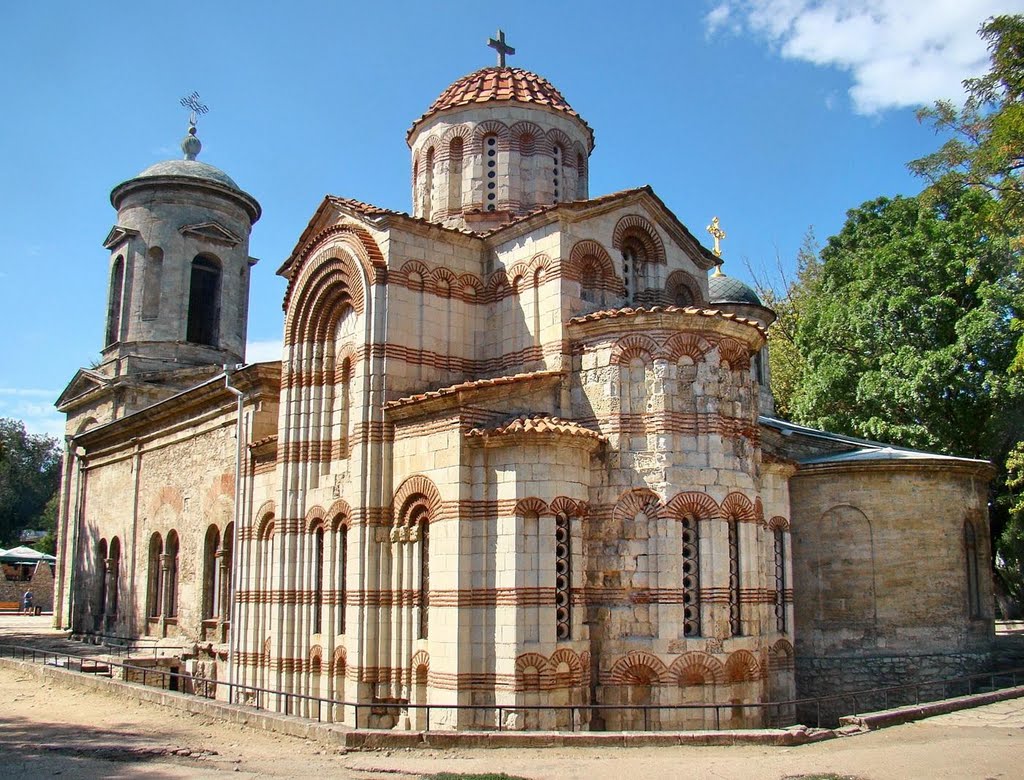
{"points": [[209, 688]]}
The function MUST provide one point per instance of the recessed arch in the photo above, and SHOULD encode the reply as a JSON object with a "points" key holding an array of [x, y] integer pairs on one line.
{"points": [[639, 228]]}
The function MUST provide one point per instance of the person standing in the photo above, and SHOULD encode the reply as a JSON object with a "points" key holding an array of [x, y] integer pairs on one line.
{"points": [[26, 602]]}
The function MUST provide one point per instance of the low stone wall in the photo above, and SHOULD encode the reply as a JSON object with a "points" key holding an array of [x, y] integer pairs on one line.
{"points": [[844, 675]]}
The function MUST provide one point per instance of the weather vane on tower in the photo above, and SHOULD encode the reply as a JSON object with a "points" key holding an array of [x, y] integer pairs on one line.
{"points": [[191, 145], [499, 45]]}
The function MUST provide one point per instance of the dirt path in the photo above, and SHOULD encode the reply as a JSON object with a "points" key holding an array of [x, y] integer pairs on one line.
{"points": [[47, 730]]}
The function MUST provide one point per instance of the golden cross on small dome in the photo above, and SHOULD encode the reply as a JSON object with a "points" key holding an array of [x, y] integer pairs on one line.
{"points": [[718, 234], [499, 45]]}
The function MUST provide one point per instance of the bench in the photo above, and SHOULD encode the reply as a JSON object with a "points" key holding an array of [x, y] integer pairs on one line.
{"points": [[10, 606]]}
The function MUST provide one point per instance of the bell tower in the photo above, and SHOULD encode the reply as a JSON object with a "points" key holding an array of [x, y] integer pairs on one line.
{"points": [[179, 266]]}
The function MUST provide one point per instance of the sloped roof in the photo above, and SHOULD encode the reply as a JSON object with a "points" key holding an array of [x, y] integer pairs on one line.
{"points": [[537, 423]]}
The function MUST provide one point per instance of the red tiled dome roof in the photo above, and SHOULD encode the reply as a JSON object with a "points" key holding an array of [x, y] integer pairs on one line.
{"points": [[505, 84]]}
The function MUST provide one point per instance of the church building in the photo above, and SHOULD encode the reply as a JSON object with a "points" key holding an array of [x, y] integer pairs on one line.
{"points": [[518, 452]]}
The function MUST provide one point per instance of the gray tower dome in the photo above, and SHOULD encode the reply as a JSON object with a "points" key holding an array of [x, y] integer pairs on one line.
{"points": [[179, 267]]}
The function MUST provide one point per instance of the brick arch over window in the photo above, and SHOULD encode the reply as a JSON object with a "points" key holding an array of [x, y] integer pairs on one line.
{"points": [[567, 506], [693, 503], [735, 354], [339, 514], [525, 681], [316, 656], [778, 523], [639, 667], [697, 669], [326, 287], [635, 345], [591, 251], [685, 344], [636, 227], [416, 488], [679, 282], [738, 506], [348, 239], [491, 127], [566, 656], [742, 666], [339, 661], [634, 501], [314, 519], [529, 131], [531, 506], [266, 508], [465, 132]]}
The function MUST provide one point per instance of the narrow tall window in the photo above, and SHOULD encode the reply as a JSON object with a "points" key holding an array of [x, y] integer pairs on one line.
{"points": [[211, 574], [101, 576], [227, 556], [491, 167], [563, 577], [455, 176], [154, 596], [556, 171], [345, 399], [527, 185], [428, 184], [780, 580], [691, 575], [172, 574], [114, 302], [151, 280], [973, 589], [318, 580], [204, 302], [342, 576], [424, 527], [115, 575], [735, 626], [581, 176], [633, 259]]}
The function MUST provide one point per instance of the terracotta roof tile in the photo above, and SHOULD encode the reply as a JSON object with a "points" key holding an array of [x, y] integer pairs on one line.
{"points": [[606, 314], [476, 384], [495, 83], [370, 210], [538, 423], [260, 442]]}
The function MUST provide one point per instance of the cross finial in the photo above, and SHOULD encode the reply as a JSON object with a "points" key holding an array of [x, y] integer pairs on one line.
{"points": [[499, 45], [718, 234], [195, 107]]}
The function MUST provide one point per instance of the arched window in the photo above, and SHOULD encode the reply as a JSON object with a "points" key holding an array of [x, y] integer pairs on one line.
{"points": [[211, 573], [224, 592], [204, 302], [563, 577], [318, 579], [342, 575], [455, 149], [491, 168], [735, 625], [172, 574], [114, 568], [101, 577], [557, 159], [154, 582], [151, 281], [428, 184], [346, 402], [691, 575], [424, 534], [634, 256], [973, 582], [780, 580], [114, 302], [581, 176]]}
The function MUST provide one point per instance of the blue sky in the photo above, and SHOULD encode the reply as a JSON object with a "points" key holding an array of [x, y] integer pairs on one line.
{"points": [[776, 115]]}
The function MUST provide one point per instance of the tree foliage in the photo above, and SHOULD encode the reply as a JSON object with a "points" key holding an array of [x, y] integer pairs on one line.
{"points": [[29, 478]]}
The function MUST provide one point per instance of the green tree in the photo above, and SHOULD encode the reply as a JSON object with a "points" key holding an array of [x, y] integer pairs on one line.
{"points": [[29, 477]]}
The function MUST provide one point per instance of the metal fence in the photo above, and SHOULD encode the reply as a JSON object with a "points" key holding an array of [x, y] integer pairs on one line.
{"points": [[778, 713]]}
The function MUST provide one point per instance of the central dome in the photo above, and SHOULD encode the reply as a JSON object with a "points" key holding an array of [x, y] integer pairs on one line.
{"points": [[495, 83]]}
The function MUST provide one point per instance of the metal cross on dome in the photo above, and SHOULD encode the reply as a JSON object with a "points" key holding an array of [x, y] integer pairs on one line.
{"points": [[499, 45], [191, 102]]}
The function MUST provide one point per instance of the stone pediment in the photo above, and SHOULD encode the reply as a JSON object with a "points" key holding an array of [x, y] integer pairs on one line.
{"points": [[211, 231], [117, 236], [84, 382]]}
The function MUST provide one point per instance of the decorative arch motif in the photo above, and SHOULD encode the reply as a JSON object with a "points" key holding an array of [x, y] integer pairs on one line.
{"points": [[414, 489], [559, 138], [742, 666], [266, 508], [355, 239], [528, 130], [679, 281], [566, 656], [339, 514], [265, 529], [692, 503], [339, 661], [685, 344], [314, 519], [635, 345], [639, 228], [778, 523], [316, 656], [491, 127], [738, 506], [465, 132], [528, 661], [590, 255], [420, 659], [531, 506], [565, 506], [326, 286], [634, 501], [735, 354], [640, 668], [695, 668], [782, 647]]}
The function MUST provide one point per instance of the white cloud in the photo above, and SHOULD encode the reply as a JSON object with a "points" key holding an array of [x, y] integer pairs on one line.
{"points": [[899, 53], [262, 351], [35, 408]]}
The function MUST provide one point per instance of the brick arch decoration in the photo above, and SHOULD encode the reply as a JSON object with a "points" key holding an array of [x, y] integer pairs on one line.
{"points": [[316, 657], [737, 506], [780, 655], [420, 660], [758, 509], [637, 500], [526, 129], [416, 489], [491, 127], [539, 262], [566, 656], [559, 137], [778, 523], [325, 287], [339, 514], [695, 668], [641, 229], [357, 242], [339, 661], [685, 345], [496, 282], [635, 345], [266, 508], [531, 506], [517, 274], [679, 278], [265, 529], [469, 282], [628, 669], [734, 354], [528, 661], [567, 506], [692, 503], [589, 253], [314, 519], [742, 666], [465, 132], [443, 282], [413, 274]]}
